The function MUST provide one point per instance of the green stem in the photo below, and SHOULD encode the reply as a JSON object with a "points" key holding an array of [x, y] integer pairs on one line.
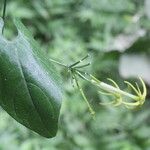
{"points": [[84, 97], [4, 14], [82, 66], [76, 63], [56, 62]]}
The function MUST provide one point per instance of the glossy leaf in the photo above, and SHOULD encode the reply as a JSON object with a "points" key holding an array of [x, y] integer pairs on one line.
{"points": [[30, 87]]}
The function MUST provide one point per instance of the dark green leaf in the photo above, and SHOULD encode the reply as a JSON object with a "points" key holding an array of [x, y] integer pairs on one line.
{"points": [[29, 85]]}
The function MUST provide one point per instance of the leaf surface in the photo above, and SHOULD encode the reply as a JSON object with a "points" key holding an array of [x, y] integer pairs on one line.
{"points": [[30, 87]]}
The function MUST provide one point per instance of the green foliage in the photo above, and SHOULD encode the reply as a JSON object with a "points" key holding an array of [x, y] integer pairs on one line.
{"points": [[67, 29], [29, 85]]}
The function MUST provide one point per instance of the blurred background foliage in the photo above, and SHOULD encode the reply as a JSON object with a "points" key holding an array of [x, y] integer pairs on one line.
{"points": [[117, 35]]}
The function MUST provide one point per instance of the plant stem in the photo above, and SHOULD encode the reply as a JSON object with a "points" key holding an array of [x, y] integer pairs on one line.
{"points": [[74, 64], [56, 62], [84, 97], [4, 14]]}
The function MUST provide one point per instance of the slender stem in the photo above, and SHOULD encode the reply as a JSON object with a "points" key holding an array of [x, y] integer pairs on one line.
{"points": [[84, 97], [82, 66], [4, 14], [74, 64], [61, 64]]}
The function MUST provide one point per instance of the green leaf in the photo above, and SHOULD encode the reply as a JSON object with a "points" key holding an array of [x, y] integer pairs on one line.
{"points": [[30, 87]]}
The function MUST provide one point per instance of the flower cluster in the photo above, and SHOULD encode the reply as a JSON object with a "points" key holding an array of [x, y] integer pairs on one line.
{"points": [[120, 97]]}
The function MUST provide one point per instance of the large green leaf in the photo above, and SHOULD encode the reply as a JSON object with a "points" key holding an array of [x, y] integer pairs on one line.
{"points": [[29, 84]]}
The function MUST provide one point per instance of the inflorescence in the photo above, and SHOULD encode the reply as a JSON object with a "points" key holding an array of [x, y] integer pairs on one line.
{"points": [[120, 97]]}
